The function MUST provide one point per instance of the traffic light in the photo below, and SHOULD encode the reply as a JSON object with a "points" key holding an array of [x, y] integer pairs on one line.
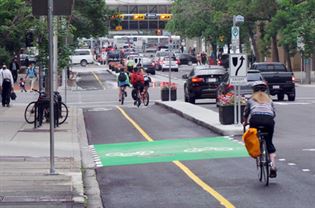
{"points": [[138, 17], [29, 38], [118, 27], [165, 16]]}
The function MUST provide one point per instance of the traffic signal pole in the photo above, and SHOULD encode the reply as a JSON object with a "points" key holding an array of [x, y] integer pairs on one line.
{"points": [[51, 85]]}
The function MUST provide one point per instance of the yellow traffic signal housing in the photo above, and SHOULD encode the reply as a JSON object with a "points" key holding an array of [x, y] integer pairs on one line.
{"points": [[138, 17], [118, 27], [165, 16], [118, 16]]}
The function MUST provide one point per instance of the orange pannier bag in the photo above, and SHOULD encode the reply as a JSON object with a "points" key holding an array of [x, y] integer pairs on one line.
{"points": [[252, 142]]}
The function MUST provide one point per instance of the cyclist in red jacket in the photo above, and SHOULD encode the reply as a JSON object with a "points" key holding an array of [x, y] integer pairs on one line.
{"points": [[137, 81]]}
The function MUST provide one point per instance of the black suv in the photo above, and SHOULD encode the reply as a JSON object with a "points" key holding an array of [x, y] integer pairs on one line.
{"points": [[203, 82], [280, 80]]}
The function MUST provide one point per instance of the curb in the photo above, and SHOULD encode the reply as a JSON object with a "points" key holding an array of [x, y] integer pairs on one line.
{"points": [[91, 187], [225, 130]]}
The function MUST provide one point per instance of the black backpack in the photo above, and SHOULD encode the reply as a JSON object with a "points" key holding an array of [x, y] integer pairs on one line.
{"points": [[122, 77]]}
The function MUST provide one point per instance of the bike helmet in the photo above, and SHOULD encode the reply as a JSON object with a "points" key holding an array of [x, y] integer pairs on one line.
{"points": [[259, 86]]}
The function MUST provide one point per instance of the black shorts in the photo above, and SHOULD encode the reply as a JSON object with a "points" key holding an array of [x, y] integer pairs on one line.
{"points": [[269, 124]]}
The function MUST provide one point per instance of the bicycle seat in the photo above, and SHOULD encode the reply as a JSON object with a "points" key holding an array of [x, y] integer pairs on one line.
{"points": [[262, 130]]}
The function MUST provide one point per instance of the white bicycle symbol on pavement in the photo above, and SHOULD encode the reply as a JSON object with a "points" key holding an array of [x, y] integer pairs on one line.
{"points": [[206, 149], [129, 154]]}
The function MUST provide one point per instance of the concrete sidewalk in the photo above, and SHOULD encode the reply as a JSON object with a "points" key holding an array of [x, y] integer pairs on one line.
{"points": [[25, 163], [202, 116]]}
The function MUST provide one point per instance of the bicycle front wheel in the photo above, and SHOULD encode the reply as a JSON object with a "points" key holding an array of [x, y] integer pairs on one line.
{"points": [[29, 113], [63, 114], [146, 99]]}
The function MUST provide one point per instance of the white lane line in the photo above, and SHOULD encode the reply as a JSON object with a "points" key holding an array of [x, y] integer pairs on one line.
{"points": [[306, 170], [309, 150], [295, 103], [291, 164], [282, 159]]}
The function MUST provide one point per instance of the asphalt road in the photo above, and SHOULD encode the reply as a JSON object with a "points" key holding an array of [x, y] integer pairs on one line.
{"points": [[225, 182]]}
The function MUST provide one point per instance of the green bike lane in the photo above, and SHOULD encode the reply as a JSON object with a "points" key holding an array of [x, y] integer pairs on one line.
{"points": [[140, 173]]}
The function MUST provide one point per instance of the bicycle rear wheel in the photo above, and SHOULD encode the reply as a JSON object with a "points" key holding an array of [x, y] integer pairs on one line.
{"points": [[29, 113], [63, 114], [122, 98], [263, 170], [146, 99]]}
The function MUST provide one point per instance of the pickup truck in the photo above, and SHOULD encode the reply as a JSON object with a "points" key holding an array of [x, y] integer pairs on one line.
{"points": [[280, 80]]}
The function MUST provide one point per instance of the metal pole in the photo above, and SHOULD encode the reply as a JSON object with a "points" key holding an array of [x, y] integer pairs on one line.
{"points": [[301, 76], [51, 90], [169, 71], [235, 87], [239, 105]]}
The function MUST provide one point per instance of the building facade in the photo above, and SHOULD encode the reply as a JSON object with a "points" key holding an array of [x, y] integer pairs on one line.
{"points": [[149, 25]]}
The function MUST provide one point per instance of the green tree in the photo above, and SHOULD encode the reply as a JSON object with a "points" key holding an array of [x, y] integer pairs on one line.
{"points": [[202, 18], [15, 20], [90, 18]]}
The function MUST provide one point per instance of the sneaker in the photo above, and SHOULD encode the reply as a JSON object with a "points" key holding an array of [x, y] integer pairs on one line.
{"points": [[273, 172], [125, 94]]}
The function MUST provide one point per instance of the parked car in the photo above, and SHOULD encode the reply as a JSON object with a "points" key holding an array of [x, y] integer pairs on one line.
{"points": [[185, 58], [224, 60], [202, 82], [82, 56], [113, 56], [280, 79], [166, 64], [159, 59], [148, 65], [245, 90]]}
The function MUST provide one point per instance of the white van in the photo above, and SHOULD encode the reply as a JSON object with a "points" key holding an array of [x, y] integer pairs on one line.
{"points": [[82, 56]]}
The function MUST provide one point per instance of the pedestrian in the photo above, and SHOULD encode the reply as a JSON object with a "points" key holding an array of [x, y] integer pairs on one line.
{"points": [[26, 61], [193, 51], [6, 80], [203, 58], [22, 85], [31, 75], [198, 57], [14, 68]]}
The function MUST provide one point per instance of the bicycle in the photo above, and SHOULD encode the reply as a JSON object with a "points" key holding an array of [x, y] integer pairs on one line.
{"points": [[141, 97], [263, 162], [32, 107], [123, 94]]}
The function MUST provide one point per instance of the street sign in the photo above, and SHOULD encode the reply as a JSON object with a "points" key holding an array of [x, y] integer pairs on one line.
{"points": [[300, 43], [238, 69], [235, 37], [238, 19]]}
